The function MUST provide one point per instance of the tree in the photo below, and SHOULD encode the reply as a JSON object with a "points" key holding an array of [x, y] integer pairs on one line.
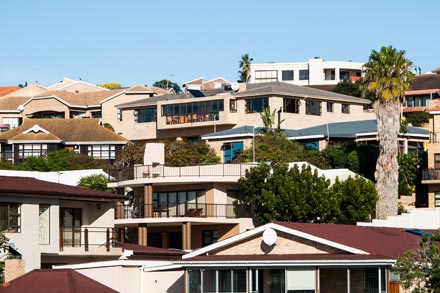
{"points": [[419, 269], [95, 181], [4, 249], [418, 118], [130, 155], [167, 85], [408, 173], [347, 87], [300, 195], [387, 76], [110, 85], [187, 153], [245, 67]]}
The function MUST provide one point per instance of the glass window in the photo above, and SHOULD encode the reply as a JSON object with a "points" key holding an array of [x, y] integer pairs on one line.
{"points": [[12, 122], [145, 115], [344, 75], [194, 281], [437, 161], [329, 107], [32, 150], [256, 105], [304, 74], [301, 280], [313, 107], [119, 114], [209, 237], [266, 76], [291, 105], [437, 199], [44, 223], [287, 74], [10, 221], [345, 108], [102, 151], [232, 106]]}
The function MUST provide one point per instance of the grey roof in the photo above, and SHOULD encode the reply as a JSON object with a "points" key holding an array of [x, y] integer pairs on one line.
{"points": [[153, 100], [287, 89], [352, 129]]}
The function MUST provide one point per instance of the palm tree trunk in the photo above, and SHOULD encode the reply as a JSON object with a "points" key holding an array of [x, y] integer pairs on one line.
{"points": [[388, 127]]}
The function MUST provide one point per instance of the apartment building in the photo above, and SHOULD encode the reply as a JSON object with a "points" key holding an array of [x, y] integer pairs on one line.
{"points": [[314, 72]]}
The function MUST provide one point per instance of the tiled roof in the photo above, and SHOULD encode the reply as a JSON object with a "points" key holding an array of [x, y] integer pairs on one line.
{"points": [[83, 98], [153, 100], [12, 103], [29, 91], [287, 89], [4, 90], [68, 130], [32, 186], [55, 281], [425, 82], [389, 242]]}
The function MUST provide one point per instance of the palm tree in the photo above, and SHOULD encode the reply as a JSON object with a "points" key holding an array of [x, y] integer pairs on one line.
{"points": [[245, 66], [386, 75], [268, 119]]}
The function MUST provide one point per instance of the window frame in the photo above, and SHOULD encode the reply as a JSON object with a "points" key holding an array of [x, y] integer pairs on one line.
{"points": [[211, 234], [310, 107], [284, 74], [11, 228], [345, 108], [109, 151], [304, 74], [251, 105], [330, 106]]}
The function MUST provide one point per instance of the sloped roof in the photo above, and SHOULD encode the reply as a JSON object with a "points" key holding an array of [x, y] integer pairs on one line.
{"points": [[425, 82], [12, 103], [28, 91], [68, 130], [4, 90], [81, 99], [139, 88], [153, 100], [55, 281], [160, 91], [30, 186], [286, 89]]}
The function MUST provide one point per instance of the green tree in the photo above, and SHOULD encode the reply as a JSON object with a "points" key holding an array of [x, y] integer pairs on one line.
{"points": [[108, 126], [418, 118], [110, 85], [245, 67], [408, 173], [347, 87], [4, 249], [419, 269], [34, 164], [187, 153], [130, 155], [167, 84], [7, 165], [387, 76], [95, 181]]}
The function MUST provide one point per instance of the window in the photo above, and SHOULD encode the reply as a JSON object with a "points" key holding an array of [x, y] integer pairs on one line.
{"points": [[232, 106], [256, 105], [145, 115], [291, 105], [437, 199], [119, 114], [313, 107], [329, 74], [179, 203], [231, 150], [12, 122], [209, 237], [345, 108], [266, 76], [287, 74], [31, 150], [304, 74], [417, 101], [102, 151], [44, 223], [10, 217], [329, 107], [437, 161], [344, 75]]}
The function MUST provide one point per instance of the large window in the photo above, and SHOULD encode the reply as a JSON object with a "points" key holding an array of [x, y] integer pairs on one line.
{"points": [[256, 105], [145, 115], [304, 74], [189, 203], [193, 112], [231, 150], [31, 150], [313, 107], [287, 74], [266, 76], [102, 151], [10, 217], [291, 105]]}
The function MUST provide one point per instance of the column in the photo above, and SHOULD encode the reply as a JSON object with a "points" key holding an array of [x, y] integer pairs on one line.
{"points": [[142, 234], [148, 201], [186, 235]]}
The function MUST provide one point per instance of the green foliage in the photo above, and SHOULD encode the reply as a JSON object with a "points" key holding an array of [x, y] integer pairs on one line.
{"points": [[268, 119], [418, 118], [167, 84], [110, 85], [187, 153], [7, 165], [347, 87], [4, 249], [34, 164], [408, 173], [245, 67], [108, 126], [300, 195], [420, 269], [130, 155], [95, 181], [357, 199]]}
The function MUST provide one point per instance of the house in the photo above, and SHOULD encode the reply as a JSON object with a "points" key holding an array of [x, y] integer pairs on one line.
{"points": [[314, 72], [75, 86], [4, 90], [206, 85], [54, 281], [50, 223], [37, 137]]}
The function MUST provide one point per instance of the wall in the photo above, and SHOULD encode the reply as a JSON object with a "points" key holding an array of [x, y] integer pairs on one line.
{"points": [[41, 105]]}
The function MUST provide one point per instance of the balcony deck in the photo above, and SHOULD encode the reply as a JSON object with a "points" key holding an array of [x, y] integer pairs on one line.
{"points": [[431, 176]]}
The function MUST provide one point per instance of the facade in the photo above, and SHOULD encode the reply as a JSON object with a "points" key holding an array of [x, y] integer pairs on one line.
{"points": [[49, 223], [206, 85], [37, 137], [314, 72]]}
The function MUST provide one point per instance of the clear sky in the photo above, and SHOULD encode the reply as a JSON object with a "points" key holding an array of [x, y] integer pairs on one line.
{"points": [[140, 41]]}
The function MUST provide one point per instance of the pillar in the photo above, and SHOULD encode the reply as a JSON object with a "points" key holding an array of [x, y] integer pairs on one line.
{"points": [[148, 201], [142, 234], [186, 235]]}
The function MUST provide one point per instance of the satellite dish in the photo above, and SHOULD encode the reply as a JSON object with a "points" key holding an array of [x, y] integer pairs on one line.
{"points": [[235, 86], [20, 108], [269, 236]]}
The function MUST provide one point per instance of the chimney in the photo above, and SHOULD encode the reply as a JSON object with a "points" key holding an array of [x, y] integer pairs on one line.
{"points": [[14, 268]]}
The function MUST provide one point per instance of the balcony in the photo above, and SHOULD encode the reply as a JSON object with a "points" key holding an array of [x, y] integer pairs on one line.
{"points": [[431, 176], [191, 210], [92, 240]]}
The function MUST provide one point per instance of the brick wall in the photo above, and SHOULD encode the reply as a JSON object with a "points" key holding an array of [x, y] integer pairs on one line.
{"points": [[14, 268]]}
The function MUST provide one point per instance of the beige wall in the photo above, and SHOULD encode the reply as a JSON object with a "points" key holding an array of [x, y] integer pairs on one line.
{"points": [[42, 105]]}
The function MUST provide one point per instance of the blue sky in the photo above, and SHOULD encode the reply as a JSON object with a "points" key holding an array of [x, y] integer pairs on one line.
{"points": [[139, 42]]}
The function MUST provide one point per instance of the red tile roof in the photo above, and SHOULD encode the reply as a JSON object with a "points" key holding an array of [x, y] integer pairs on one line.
{"points": [[32, 186], [390, 242], [55, 281], [4, 90]]}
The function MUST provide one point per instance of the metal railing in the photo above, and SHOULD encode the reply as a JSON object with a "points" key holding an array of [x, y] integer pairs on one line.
{"points": [[431, 174], [88, 237], [193, 210]]}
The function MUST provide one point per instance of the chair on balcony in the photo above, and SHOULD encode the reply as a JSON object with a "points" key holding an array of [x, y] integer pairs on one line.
{"points": [[189, 212]]}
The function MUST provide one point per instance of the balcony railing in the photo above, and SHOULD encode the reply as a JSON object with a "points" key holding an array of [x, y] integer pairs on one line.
{"points": [[431, 174], [86, 238], [193, 210]]}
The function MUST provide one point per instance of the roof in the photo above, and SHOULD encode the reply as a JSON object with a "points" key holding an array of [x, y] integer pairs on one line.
{"points": [[12, 103], [32, 186], [80, 99], [287, 89], [28, 91], [4, 90], [68, 130], [153, 100], [351, 129], [425, 82], [51, 281]]}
